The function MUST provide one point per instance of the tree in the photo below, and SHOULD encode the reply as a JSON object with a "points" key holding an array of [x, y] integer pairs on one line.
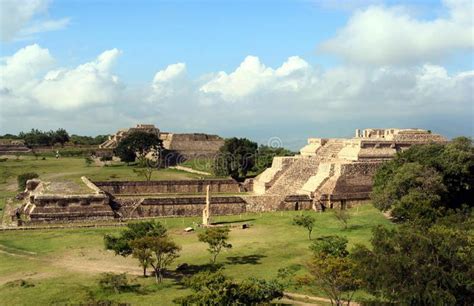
{"points": [[36, 138], [265, 155], [330, 246], [140, 143], [59, 136], [162, 252], [236, 157], [332, 270], [214, 288], [305, 221], [425, 182], [343, 216], [216, 238], [416, 265], [121, 245], [142, 253]]}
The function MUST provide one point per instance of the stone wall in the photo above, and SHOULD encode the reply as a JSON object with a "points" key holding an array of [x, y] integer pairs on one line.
{"points": [[192, 145], [61, 208], [179, 206], [182, 186]]}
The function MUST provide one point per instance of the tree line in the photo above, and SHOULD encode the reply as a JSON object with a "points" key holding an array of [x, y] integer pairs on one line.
{"points": [[36, 138]]}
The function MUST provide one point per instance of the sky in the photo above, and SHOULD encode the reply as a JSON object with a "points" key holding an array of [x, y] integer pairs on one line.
{"points": [[265, 70]]}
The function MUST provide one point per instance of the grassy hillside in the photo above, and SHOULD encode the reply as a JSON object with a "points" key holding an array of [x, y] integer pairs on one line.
{"points": [[63, 265]]}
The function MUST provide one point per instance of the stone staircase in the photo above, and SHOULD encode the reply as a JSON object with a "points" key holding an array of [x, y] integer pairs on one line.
{"points": [[108, 144], [330, 149], [294, 177]]}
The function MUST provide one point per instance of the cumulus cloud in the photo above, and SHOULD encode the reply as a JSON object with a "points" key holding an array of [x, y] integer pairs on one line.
{"points": [[18, 19], [253, 76], [27, 76], [165, 81], [293, 100], [390, 35]]}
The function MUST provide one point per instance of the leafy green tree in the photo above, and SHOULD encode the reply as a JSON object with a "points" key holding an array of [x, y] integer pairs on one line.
{"points": [[36, 138], [236, 158], [214, 288], [415, 265], [138, 143], [332, 270], [216, 238], [305, 221], [162, 252], [121, 244], [325, 246], [59, 136], [265, 155], [425, 182]]}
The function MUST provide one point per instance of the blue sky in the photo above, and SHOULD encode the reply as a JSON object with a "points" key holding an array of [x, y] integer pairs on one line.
{"points": [[169, 62]]}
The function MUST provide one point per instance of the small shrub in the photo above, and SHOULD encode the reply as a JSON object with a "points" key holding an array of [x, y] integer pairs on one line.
{"points": [[88, 160], [19, 283], [3, 159], [343, 216], [44, 158], [111, 282], [22, 178]]}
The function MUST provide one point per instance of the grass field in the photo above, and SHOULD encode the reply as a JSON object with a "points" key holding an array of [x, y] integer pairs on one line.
{"points": [[63, 265]]}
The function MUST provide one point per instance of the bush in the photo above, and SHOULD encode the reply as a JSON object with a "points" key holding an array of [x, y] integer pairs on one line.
{"points": [[22, 178], [111, 282]]}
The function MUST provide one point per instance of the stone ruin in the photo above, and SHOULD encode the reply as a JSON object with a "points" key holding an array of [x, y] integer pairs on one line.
{"points": [[44, 202], [13, 146], [331, 172], [328, 173], [186, 146]]}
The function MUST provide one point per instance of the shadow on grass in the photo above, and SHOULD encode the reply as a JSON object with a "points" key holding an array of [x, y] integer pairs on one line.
{"points": [[253, 259], [233, 221]]}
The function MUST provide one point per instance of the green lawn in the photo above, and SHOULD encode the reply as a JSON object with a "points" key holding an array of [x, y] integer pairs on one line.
{"points": [[200, 164], [63, 265]]}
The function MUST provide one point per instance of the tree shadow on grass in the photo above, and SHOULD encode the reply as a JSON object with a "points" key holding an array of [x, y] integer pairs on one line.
{"points": [[233, 221], [189, 270], [253, 259]]}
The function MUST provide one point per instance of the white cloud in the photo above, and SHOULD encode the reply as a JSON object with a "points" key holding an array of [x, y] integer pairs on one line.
{"points": [[384, 36], [292, 101], [252, 76], [26, 77], [164, 80], [45, 26], [18, 19]]}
